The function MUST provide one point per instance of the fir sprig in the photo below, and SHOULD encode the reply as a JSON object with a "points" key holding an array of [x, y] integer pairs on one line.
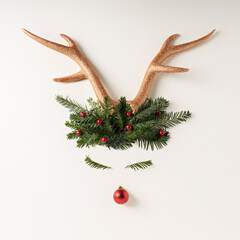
{"points": [[140, 165], [171, 119], [93, 164], [149, 108], [70, 104]]}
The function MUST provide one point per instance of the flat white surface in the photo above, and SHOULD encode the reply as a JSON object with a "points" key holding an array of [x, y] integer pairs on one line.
{"points": [[46, 190]]}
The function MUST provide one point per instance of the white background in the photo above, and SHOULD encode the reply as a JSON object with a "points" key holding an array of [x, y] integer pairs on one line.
{"points": [[46, 190]]}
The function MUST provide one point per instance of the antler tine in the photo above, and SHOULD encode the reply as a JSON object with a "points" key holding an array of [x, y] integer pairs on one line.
{"points": [[156, 66], [54, 46], [71, 78], [186, 46], [87, 70], [70, 42], [173, 49]]}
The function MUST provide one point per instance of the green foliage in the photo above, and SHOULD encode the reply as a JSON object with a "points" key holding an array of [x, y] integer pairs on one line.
{"points": [[147, 111], [145, 123], [93, 164], [140, 165], [70, 104]]}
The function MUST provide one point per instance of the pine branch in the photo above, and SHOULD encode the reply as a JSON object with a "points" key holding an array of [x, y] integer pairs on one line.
{"points": [[149, 108], [70, 104], [88, 140], [93, 164], [154, 143], [144, 125], [93, 104], [96, 108], [140, 165], [173, 118], [118, 141], [107, 106], [77, 118], [148, 103], [72, 135], [117, 119], [72, 125]]}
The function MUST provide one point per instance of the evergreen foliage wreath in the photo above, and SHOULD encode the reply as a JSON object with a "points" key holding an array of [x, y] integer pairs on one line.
{"points": [[118, 127]]}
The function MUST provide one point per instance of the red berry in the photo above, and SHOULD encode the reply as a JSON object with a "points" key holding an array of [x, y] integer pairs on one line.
{"points": [[159, 113], [79, 132], [161, 132], [99, 121], [128, 127], [120, 196], [128, 114], [83, 114], [104, 140]]}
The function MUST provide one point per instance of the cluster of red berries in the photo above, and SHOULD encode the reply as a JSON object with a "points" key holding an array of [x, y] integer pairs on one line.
{"points": [[128, 127]]}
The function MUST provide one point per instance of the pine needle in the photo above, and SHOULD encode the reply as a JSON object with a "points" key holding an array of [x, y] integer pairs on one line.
{"points": [[93, 164], [140, 165]]}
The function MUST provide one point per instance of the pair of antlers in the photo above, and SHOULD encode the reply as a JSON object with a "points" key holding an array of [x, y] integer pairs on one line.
{"points": [[88, 72]]}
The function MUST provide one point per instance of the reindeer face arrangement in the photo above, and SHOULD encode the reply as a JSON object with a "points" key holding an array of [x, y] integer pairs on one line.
{"points": [[120, 124]]}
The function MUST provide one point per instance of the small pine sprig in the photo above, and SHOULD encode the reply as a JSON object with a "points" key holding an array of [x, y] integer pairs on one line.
{"points": [[148, 109], [70, 104], [172, 119], [140, 165], [96, 165]]}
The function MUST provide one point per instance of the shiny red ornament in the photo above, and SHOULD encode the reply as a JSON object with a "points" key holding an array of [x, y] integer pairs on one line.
{"points": [[104, 140], [83, 114], [128, 127], [120, 196], [128, 114], [99, 121], [79, 132], [161, 132], [159, 113]]}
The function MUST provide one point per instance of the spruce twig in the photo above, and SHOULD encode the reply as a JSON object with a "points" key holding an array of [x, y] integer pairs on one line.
{"points": [[70, 104], [173, 118], [96, 165], [140, 165]]}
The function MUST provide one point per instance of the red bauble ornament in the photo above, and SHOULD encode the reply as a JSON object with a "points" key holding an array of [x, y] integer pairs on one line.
{"points": [[104, 140], [161, 132], [83, 114], [128, 127], [99, 121], [79, 132], [159, 113], [128, 114], [120, 196]]}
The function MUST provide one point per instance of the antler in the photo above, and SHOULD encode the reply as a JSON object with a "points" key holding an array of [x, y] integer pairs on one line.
{"points": [[156, 66], [87, 70]]}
